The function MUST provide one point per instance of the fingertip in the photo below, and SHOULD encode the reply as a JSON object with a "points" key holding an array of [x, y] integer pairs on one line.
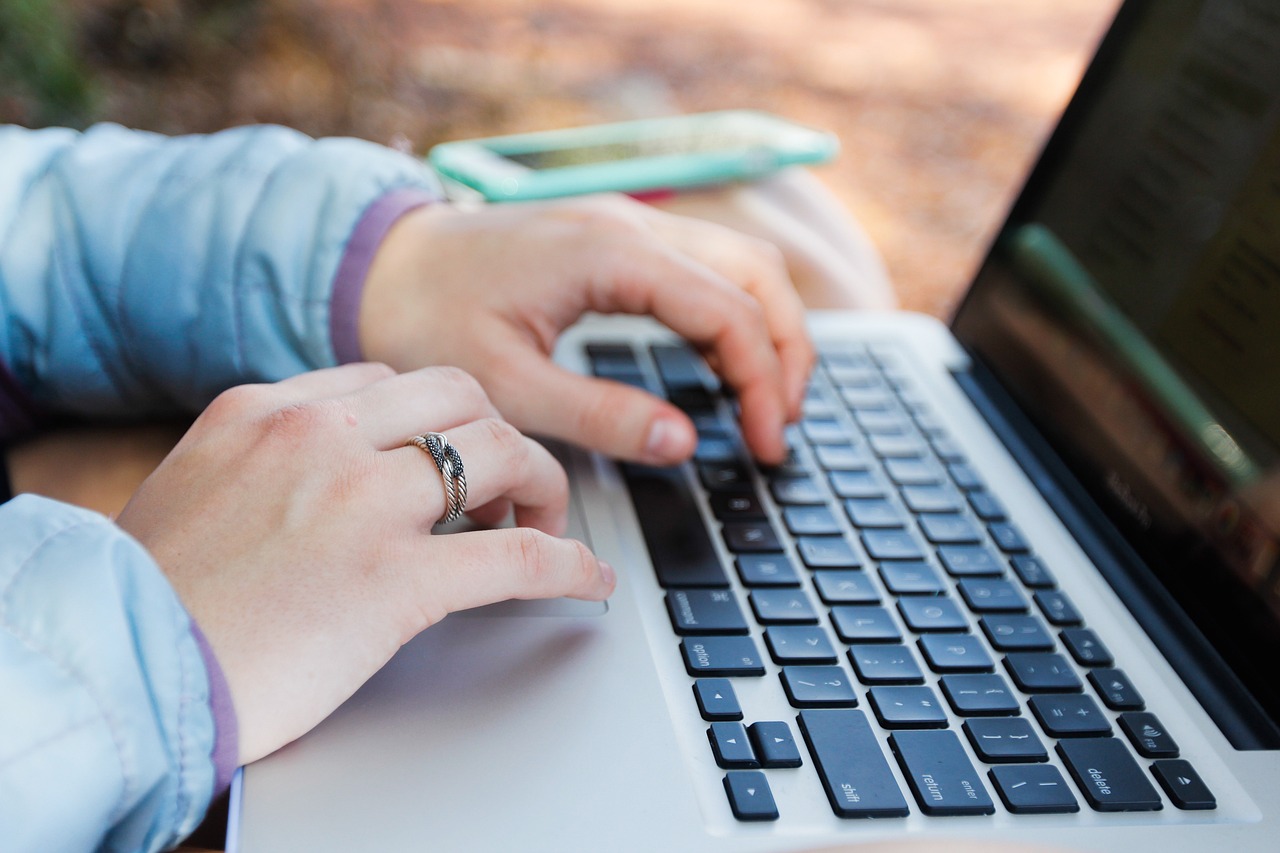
{"points": [[669, 440]]}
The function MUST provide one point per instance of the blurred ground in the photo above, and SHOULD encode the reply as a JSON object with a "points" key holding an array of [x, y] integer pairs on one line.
{"points": [[940, 104]]}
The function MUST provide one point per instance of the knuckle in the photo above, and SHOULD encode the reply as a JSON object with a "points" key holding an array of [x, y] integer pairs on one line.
{"points": [[306, 422], [240, 402], [460, 383], [549, 564]]}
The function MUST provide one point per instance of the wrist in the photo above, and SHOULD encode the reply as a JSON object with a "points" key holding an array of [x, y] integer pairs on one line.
{"points": [[356, 268]]}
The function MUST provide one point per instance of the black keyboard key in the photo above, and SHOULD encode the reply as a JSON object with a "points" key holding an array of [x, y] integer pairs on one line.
{"points": [[797, 491], [979, 695], [1085, 647], [1183, 784], [939, 773], [921, 499], [775, 746], [986, 506], [1033, 789], [873, 512], [824, 431], [716, 699], [827, 552], [912, 472], [856, 484], [907, 708], [1056, 607], [727, 656], [1015, 633], [810, 521], [1116, 690], [864, 624], [1005, 740], [723, 477], [716, 448], [750, 797], [955, 653], [896, 446], [766, 570], [679, 547], [1108, 776], [852, 768], [991, 595], [892, 545], [750, 537], [705, 611], [789, 644], [943, 529], [1040, 672], [1070, 715], [970, 561], [1148, 735], [817, 687], [1033, 572], [964, 476], [877, 663], [680, 368], [736, 506], [1008, 537], [927, 615], [911, 578], [782, 606], [842, 457], [731, 746], [846, 587]]}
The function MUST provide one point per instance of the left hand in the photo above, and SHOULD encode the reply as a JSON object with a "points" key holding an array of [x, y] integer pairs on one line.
{"points": [[490, 289]]}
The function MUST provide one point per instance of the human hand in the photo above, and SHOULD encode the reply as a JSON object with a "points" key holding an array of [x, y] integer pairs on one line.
{"points": [[832, 262], [295, 525], [489, 289]]}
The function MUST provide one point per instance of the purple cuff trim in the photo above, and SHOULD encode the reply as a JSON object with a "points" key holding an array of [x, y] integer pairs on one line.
{"points": [[348, 282], [226, 728], [17, 411]]}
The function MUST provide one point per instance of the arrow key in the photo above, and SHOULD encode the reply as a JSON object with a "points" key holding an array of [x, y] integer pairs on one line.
{"points": [[749, 795], [716, 699], [730, 744], [774, 744]]}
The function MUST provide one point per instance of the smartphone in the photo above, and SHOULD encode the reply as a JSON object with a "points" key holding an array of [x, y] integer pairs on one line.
{"points": [[636, 157]]}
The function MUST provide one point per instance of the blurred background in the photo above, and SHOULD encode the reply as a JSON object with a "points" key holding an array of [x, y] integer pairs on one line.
{"points": [[941, 105]]}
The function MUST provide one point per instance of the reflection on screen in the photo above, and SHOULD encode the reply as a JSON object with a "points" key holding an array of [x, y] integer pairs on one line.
{"points": [[1133, 303]]}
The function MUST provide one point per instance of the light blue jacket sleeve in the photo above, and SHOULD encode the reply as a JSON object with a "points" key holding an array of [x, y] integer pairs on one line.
{"points": [[142, 274], [106, 731]]}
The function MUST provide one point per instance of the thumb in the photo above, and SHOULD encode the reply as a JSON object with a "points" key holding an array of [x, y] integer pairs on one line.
{"points": [[615, 419]]}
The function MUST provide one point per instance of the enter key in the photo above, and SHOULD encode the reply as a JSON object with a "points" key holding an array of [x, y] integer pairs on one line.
{"points": [[940, 774]]}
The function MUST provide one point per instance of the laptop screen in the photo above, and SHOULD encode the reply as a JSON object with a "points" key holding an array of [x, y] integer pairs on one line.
{"points": [[1131, 306]]}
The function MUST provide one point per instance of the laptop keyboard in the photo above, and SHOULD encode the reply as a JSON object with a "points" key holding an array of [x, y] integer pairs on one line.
{"points": [[907, 620]]}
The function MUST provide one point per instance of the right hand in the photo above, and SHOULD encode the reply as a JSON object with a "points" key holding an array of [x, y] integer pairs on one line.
{"points": [[295, 525]]}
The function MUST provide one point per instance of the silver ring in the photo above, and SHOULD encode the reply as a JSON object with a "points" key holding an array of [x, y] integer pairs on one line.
{"points": [[446, 457]]}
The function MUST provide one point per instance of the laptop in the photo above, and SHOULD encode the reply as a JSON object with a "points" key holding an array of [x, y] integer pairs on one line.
{"points": [[1018, 581]]}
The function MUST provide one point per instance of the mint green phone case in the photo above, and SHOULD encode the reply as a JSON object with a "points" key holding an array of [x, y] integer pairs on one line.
{"points": [[636, 157]]}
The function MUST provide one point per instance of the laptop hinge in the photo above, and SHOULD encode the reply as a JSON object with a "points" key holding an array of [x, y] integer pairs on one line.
{"points": [[1243, 721]]}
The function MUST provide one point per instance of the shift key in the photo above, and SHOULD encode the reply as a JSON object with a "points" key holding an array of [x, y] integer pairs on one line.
{"points": [[852, 768]]}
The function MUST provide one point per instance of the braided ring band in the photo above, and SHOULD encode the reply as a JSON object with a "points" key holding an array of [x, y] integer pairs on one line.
{"points": [[446, 457]]}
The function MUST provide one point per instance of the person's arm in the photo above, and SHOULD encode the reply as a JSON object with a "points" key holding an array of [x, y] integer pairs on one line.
{"points": [[117, 724], [142, 274]]}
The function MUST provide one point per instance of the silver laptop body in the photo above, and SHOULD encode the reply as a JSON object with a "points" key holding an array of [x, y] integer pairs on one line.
{"points": [[568, 726]]}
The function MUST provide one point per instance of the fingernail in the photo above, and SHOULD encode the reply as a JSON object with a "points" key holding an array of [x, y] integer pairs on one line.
{"points": [[665, 442], [607, 574]]}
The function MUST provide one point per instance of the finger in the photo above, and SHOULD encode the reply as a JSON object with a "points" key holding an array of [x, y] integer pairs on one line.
{"points": [[330, 382], [760, 269], [714, 313], [484, 567], [500, 465], [614, 419], [433, 399]]}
